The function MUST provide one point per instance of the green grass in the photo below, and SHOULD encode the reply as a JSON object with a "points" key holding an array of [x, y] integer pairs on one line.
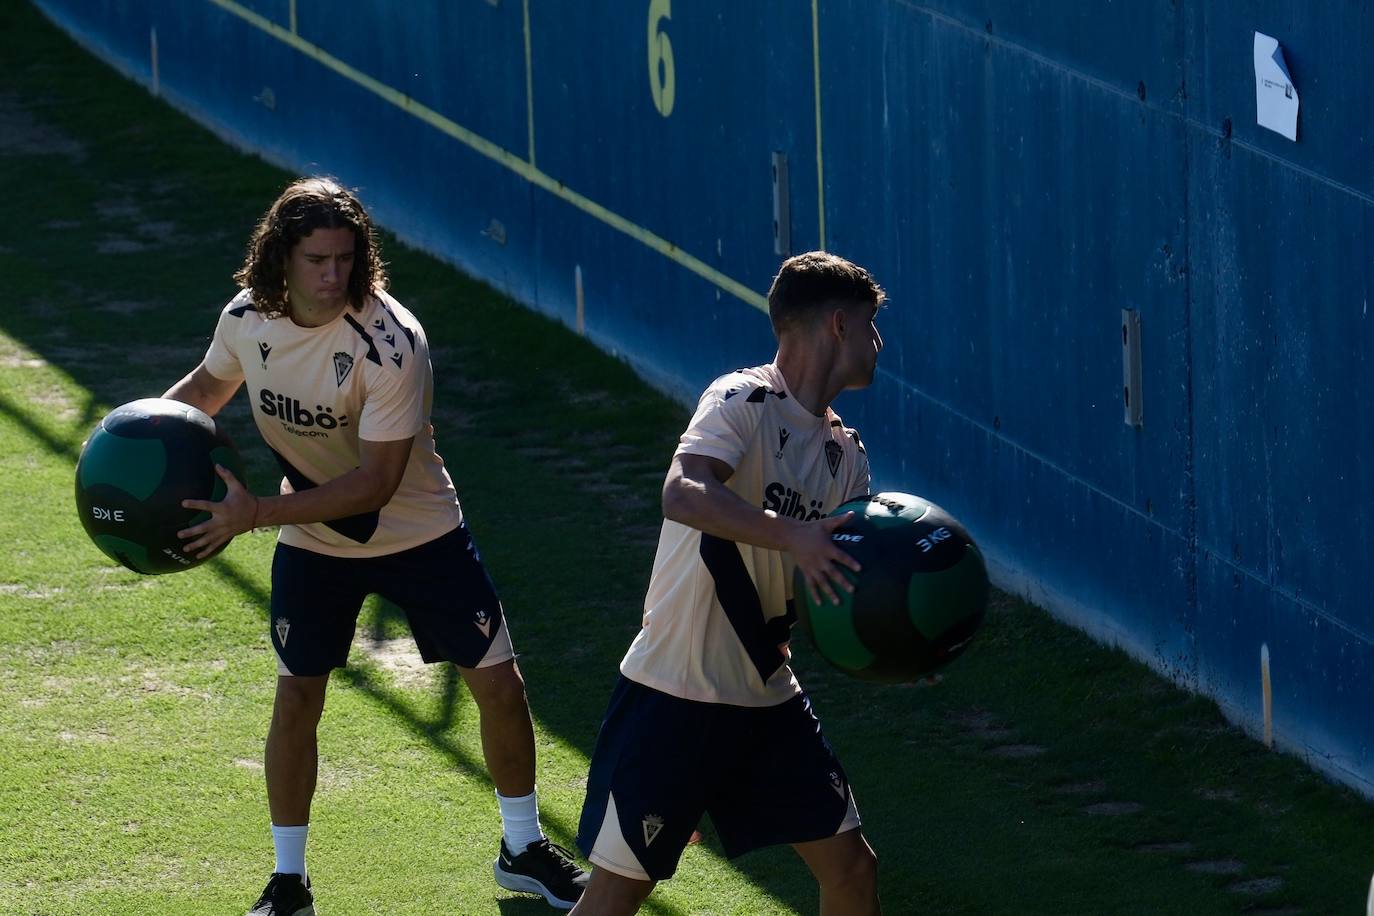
{"points": [[1044, 774]]}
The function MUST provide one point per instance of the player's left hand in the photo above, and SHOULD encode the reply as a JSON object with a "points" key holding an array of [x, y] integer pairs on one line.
{"points": [[229, 517], [819, 560]]}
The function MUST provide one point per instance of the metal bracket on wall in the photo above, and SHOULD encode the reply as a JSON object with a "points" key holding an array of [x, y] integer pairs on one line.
{"points": [[1130, 367], [782, 209]]}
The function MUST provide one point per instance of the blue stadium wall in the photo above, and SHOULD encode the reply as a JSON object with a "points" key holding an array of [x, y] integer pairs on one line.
{"points": [[1015, 172]]}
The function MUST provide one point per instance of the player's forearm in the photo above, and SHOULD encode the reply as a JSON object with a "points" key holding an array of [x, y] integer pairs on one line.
{"points": [[202, 392], [714, 508], [354, 493]]}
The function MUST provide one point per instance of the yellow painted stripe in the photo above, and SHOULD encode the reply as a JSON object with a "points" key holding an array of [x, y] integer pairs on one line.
{"points": [[529, 81], [293, 17], [501, 156], [816, 71]]}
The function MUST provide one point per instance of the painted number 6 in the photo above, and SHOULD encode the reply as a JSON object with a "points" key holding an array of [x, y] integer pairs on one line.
{"points": [[662, 82]]}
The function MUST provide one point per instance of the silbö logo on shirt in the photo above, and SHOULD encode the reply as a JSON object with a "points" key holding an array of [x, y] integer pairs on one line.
{"points": [[790, 503], [296, 417]]}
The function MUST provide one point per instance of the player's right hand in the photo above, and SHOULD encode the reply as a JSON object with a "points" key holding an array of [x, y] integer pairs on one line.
{"points": [[231, 516], [820, 561]]}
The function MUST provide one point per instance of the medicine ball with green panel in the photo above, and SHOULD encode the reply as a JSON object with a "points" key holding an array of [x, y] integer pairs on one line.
{"points": [[918, 600], [143, 459]]}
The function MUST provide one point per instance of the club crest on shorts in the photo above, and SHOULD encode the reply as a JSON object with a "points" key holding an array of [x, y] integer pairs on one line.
{"points": [[833, 453], [283, 627], [482, 620], [652, 825], [343, 364], [837, 783]]}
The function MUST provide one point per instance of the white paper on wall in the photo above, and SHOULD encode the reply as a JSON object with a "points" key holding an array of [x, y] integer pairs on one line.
{"points": [[1276, 98]]}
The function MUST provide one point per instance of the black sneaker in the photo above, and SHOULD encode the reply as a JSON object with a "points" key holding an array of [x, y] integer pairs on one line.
{"points": [[543, 868], [285, 895]]}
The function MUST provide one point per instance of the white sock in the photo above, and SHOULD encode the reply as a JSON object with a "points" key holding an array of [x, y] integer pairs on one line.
{"points": [[290, 845], [520, 821]]}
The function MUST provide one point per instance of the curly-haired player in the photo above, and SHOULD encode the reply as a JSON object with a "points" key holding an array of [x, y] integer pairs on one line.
{"points": [[339, 378]]}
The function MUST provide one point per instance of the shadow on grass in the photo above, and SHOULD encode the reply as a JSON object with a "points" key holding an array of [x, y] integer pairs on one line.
{"points": [[62, 446], [436, 730], [437, 733], [535, 906]]}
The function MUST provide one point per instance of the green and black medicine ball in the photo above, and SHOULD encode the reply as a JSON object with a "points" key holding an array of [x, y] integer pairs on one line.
{"points": [[140, 463], [917, 601]]}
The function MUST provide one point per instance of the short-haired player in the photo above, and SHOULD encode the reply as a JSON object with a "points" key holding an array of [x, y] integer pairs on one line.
{"points": [[707, 716]]}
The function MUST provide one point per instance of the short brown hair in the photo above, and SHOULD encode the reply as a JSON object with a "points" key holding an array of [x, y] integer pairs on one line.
{"points": [[808, 283], [308, 204]]}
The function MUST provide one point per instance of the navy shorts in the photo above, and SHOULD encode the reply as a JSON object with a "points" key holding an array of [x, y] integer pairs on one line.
{"points": [[766, 775], [442, 586]]}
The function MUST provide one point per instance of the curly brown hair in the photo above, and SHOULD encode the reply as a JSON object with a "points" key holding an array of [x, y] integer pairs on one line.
{"points": [[307, 204]]}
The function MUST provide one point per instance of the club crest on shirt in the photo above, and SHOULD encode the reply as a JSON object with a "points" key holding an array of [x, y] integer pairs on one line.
{"points": [[343, 364], [652, 825], [833, 453], [265, 349], [783, 436]]}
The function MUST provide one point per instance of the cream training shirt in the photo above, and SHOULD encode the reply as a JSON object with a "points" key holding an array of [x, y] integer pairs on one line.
{"points": [[316, 391], [717, 612]]}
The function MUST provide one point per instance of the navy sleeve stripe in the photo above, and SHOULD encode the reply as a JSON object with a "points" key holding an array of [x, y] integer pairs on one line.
{"points": [[410, 335], [372, 354], [758, 395]]}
